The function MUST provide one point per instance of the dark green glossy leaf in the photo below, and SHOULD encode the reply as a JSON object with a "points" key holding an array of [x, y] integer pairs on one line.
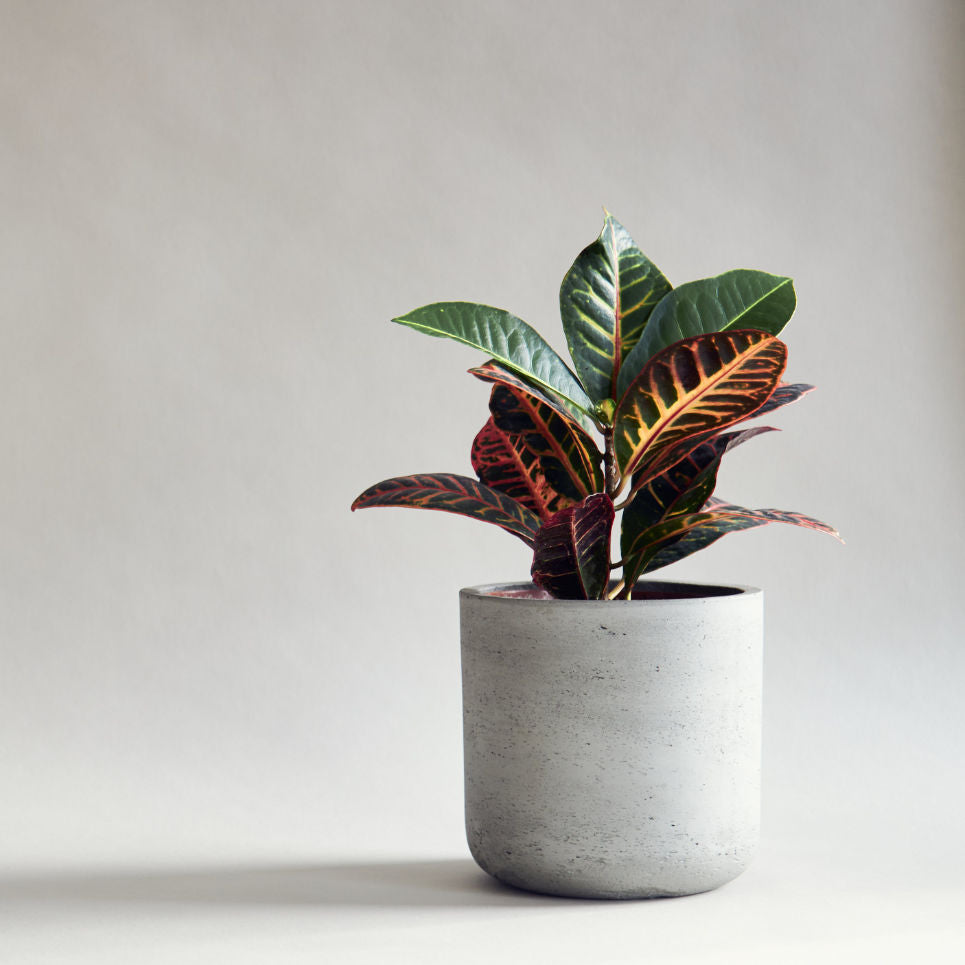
{"points": [[508, 339], [739, 299], [605, 301], [692, 388], [571, 558], [450, 493]]}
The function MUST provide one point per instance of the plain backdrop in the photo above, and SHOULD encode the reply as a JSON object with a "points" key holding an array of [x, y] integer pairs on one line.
{"points": [[208, 214]]}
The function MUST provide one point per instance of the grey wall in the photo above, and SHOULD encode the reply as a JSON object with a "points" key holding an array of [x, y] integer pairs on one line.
{"points": [[209, 213]]}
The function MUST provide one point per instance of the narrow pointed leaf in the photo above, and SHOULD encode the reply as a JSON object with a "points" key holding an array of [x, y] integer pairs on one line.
{"points": [[784, 394], [683, 488], [504, 465], [507, 339], [571, 558], [495, 373], [568, 457], [739, 299], [679, 536], [450, 493], [605, 301], [694, 387]]}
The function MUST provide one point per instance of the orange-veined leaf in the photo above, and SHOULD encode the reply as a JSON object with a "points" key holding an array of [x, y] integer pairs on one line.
{"points": [[503, 464], [696, 386], [451, 493], [568, 458], [679, 536], [683, 488]]}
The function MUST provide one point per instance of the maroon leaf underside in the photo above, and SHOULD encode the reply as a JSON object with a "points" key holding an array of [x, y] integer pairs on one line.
{"points": [[571, 558], [451, 493]]}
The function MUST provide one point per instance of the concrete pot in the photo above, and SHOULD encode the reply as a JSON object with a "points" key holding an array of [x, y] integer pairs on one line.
{"points": [[612, 749]]}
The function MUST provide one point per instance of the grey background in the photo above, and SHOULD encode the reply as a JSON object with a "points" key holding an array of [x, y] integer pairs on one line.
{"points": [[209, 213]]}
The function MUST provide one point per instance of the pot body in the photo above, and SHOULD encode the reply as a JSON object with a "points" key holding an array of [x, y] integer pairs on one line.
{"points": [[612, 748]]}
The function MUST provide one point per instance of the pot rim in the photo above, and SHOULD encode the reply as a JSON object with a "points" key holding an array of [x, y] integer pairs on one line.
{"points": [[505, 593]]}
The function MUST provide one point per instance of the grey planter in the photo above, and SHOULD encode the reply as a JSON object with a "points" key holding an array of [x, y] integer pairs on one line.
{"points": [[612, 749]]}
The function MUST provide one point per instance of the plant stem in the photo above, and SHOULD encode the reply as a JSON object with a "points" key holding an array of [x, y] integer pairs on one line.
{"points": [[614, 483], [611, 471], [616, 591]]}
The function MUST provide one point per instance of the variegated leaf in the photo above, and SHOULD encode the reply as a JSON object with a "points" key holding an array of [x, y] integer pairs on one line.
{"points": [[679, 536], [571, 558], [451, 493], [568, 457], [697, 386], [739, 299], [605, 301], [683, 488], [503, 464]]}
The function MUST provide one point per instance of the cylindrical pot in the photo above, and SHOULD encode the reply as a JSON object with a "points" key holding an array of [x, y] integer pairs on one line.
{"points": [[612, 748]]}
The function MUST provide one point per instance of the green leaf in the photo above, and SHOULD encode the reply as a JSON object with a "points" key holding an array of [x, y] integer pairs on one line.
{"points": [[507, 339], [568, 457], [497, 374], [693, 387], [738, 299], [605, 301], [503, 463], [450, 493], [571, 558]]}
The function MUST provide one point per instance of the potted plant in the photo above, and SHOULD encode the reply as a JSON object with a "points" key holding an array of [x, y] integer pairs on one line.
{"points": [[611, 722]]}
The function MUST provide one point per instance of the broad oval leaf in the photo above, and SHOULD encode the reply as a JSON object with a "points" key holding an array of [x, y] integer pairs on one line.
{"points": [[679, 536], [505, 465], [740, 299], [451, 493], [571, 558], [507, 339], [605, 301], [568, 457], [495, 373], [696, 386]]}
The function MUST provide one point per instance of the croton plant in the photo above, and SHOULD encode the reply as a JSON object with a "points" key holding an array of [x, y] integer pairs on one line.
{"points": [[665, 379]]}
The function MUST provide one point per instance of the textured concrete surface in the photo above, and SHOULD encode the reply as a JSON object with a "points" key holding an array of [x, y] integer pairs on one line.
{"points": [[612, 749]]}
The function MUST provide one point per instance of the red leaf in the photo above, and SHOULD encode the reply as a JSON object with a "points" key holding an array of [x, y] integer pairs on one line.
{"points": [[572, 553]]}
